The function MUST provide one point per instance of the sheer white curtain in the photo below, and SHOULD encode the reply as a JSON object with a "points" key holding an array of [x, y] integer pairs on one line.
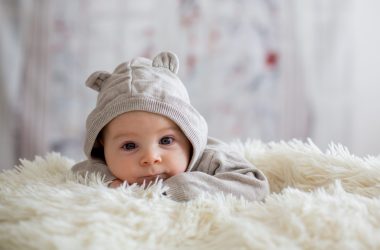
{"points": [[33, 92], [317, 70], [323, 78], [329, 78], [10, 74], [24, 79], [366, 78], [9, 39]]}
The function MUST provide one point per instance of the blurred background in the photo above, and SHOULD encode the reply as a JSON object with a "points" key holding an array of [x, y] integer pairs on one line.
{"points": [[269, 70]]}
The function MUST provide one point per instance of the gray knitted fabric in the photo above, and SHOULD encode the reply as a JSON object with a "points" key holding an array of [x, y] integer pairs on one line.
{"points": [[144, 85]]}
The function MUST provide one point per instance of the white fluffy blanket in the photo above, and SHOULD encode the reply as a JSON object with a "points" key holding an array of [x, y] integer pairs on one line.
{"points": [[319, 200]]}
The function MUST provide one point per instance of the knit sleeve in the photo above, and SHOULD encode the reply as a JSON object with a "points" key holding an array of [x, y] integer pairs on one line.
{"points": [[220, 171], [93, 167]]}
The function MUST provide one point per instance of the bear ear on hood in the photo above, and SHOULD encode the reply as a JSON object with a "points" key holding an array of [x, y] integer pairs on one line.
{"points": [[166, 60], [96, 79]]}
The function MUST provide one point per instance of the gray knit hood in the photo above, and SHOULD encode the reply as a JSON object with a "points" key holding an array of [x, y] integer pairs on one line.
{"points": [[144, 85]]}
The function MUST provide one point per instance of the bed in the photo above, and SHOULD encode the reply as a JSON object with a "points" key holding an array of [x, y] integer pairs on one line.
{"points": [[319, 200]]}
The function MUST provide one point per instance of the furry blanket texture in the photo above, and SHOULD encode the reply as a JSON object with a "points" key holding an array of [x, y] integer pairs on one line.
{"points": [[318, 200]]}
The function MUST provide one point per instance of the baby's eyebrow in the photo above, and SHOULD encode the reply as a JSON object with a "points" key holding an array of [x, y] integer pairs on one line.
{"points": [[119, 135], [171, 128], [129, 134]]}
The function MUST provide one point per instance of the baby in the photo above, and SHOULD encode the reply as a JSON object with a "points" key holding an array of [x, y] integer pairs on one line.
{"points": [[144, 128]]}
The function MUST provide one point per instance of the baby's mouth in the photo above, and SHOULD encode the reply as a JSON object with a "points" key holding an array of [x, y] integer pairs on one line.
{"points": [[151, 178]]}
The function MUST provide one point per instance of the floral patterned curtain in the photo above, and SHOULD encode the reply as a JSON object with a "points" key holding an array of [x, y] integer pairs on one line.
{"points": [[228, 53]]}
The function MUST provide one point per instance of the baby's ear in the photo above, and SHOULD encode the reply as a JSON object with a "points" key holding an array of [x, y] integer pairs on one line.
{"points": [[167, 60], [96, 79]]}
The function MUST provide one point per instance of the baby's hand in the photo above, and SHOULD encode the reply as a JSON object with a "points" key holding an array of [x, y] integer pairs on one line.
{"points": [[115, 183]]}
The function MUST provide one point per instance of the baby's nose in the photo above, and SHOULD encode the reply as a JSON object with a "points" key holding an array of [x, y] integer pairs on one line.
{"points": [[150, 157]]}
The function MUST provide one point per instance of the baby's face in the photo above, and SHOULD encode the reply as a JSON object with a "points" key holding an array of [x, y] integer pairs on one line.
{"points": [[141, 146]]}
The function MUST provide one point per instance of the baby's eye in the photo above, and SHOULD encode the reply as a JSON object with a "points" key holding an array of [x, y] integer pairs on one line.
{"points": [[129, 146], [166, 140]]}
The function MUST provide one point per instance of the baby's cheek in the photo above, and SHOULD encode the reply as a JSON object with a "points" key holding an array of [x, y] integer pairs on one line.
{"points": [[118, 171], [180, 168]]}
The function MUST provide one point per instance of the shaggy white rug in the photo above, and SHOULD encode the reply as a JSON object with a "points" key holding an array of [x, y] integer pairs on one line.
{"points": [[319, 200]]}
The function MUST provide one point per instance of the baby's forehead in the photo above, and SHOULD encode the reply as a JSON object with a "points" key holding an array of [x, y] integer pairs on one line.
{"points": [[132, 118], [140, 122]]}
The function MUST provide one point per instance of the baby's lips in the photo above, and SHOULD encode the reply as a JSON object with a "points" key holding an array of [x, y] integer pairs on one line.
{"points": [[152, 178]]}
